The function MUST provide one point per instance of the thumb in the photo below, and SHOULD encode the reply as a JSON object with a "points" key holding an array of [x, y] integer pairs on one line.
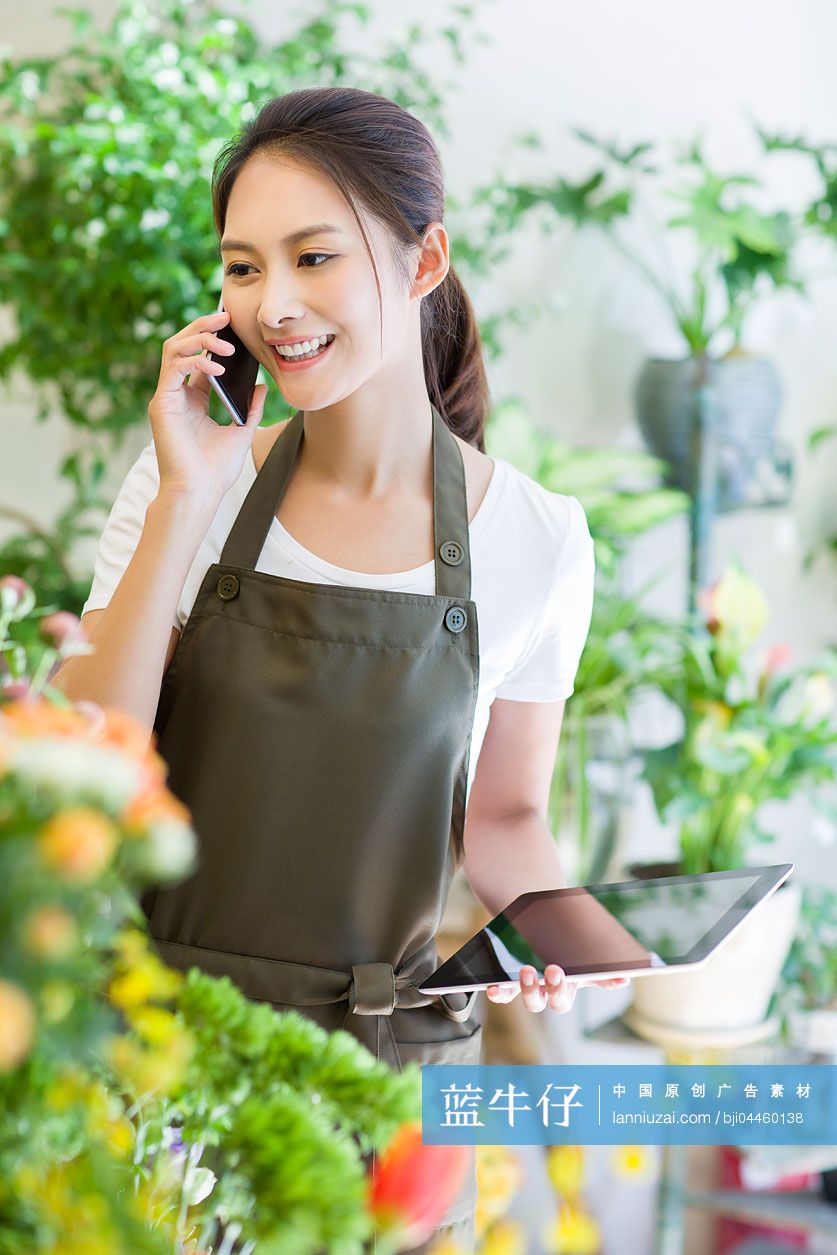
{"points": [[254, 414]]}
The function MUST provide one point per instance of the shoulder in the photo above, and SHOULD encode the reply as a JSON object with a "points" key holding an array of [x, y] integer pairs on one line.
{"points": [[552, 524]]}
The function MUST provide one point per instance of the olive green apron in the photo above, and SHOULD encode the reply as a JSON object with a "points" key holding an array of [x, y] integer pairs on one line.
{"points": [[320, 735]]}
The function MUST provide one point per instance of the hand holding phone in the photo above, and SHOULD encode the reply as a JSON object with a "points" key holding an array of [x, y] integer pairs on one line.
{"points": [[195, 455], [236, 385]]}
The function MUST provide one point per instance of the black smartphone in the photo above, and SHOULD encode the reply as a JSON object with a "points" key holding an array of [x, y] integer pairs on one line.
{"points": [[238, 382]]}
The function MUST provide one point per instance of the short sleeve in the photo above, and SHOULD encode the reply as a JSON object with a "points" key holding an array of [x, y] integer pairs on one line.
{"points": [[546, 670], [123, 529]]}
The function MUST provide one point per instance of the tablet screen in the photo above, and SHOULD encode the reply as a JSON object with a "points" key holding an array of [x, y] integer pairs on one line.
{"points": [[609, 928]]}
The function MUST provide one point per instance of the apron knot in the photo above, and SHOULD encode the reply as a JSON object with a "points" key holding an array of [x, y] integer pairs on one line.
{"points": [[372, 989]]}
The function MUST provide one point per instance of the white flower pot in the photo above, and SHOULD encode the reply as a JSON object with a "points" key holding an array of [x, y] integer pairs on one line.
{"points": [[733, 989]]}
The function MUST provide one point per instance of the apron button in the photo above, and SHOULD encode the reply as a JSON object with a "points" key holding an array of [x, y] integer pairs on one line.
{"points": [[227, 587], [451, 553], [456, 619]]}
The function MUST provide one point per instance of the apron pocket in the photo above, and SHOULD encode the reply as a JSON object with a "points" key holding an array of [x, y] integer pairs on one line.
{"points": [[436, 1039]]}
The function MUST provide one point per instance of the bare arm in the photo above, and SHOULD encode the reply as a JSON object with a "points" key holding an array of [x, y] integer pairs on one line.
{"points": [[133, 636]]}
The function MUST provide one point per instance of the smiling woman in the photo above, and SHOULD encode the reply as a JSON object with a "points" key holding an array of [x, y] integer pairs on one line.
{"points": [[367, 602]]}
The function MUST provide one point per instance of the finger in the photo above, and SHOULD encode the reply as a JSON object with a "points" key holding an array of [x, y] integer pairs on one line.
{"points": [[256, 410], [198, 378], [560, 992], [502, 994], [185, 347], [198, 368], [534, 995]]}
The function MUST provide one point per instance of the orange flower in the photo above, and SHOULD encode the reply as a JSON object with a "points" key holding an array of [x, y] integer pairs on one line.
{"points": [[50, 932], [413, 1185], [42, 718], [17, 1025], [78, 843], [152, 804]]}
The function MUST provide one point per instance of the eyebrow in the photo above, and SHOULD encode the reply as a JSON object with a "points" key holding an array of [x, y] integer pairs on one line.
{"points": [[319, 228]]}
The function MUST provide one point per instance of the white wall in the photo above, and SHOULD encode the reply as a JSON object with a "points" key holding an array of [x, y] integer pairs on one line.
{"points": [[649, 70]]}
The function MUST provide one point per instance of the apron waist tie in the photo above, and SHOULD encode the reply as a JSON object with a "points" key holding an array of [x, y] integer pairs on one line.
{"points": [[371, 989]]}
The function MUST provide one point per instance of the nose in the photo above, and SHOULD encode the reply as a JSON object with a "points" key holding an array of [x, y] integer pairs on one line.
{"points": [[278, 310]]}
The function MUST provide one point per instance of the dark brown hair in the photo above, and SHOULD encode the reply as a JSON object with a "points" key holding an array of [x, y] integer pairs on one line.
{"points": [[379, 156]]}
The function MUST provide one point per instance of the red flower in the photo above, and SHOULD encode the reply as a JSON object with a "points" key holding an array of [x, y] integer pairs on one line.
{"points": [[413, 1185]]}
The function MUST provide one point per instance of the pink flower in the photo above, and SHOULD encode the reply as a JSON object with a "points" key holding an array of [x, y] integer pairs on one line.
{"points": [[61, 627], [13, 591], [776, 657]]}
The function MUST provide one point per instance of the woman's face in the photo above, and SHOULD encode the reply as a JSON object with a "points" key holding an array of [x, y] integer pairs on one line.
{"points": [[322, 284]]}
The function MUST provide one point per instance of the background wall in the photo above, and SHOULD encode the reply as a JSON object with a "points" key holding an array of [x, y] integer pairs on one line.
{"points": [[627, 72]]}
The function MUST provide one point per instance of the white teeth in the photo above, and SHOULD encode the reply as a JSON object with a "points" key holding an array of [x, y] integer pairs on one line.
{"points": [[307, 346]]}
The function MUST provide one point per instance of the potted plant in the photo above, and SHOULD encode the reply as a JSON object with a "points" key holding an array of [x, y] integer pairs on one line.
{"points": [[740, 254], [753, 732], [806, 997]]}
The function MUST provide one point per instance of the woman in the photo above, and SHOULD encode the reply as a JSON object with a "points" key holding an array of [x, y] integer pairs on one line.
{"points": [[323, 710]]}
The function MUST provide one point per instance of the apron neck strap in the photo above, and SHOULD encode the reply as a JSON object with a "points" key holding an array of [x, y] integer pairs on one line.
{"points": [[452, 551]]}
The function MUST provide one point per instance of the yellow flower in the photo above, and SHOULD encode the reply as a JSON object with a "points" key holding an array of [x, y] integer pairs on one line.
{"points": [[737, 608], [573, 1232], [499, 1175], [565, 1167], [718, 714], [149, 1071], [131, 943], [17, 1025], [506, 1237], [818, 695], [633, 1163], [141, 978], [156, 1025], [66, 1089], [132, 988]]}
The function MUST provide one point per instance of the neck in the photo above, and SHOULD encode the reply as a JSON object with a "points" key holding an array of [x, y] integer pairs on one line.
{"points": [[376, 443]]}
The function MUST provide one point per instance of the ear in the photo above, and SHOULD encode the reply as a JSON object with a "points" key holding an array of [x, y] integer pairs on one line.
{"points": [[433, 261]]}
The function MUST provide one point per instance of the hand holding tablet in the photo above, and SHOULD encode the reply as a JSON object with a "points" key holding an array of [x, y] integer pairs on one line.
{"points": [[601, 934], [554, 991]]}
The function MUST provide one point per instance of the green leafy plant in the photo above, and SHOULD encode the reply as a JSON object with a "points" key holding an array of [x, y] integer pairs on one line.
{"points": [[741, 252], [808, 981], [144, 1109], [753, 731]]}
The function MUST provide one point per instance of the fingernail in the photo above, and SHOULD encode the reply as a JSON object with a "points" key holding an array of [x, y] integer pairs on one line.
{"points": [[529, 978]]}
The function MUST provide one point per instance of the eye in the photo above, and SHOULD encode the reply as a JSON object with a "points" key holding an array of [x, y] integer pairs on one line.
{"points": [[239, 265]]}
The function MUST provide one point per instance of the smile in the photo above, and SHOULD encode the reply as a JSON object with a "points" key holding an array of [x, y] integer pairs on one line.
{"points": [[301, 360]]}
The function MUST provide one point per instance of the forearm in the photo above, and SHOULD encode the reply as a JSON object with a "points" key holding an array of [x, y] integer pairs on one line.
{"points": [[130, 642], [507, 857]]}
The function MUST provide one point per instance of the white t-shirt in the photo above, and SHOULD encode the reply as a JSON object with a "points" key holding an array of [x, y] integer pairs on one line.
{"points": [[532, 568]]}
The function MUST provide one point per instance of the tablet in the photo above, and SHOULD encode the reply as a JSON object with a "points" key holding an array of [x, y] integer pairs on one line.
{"points": [[630, 928]]}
